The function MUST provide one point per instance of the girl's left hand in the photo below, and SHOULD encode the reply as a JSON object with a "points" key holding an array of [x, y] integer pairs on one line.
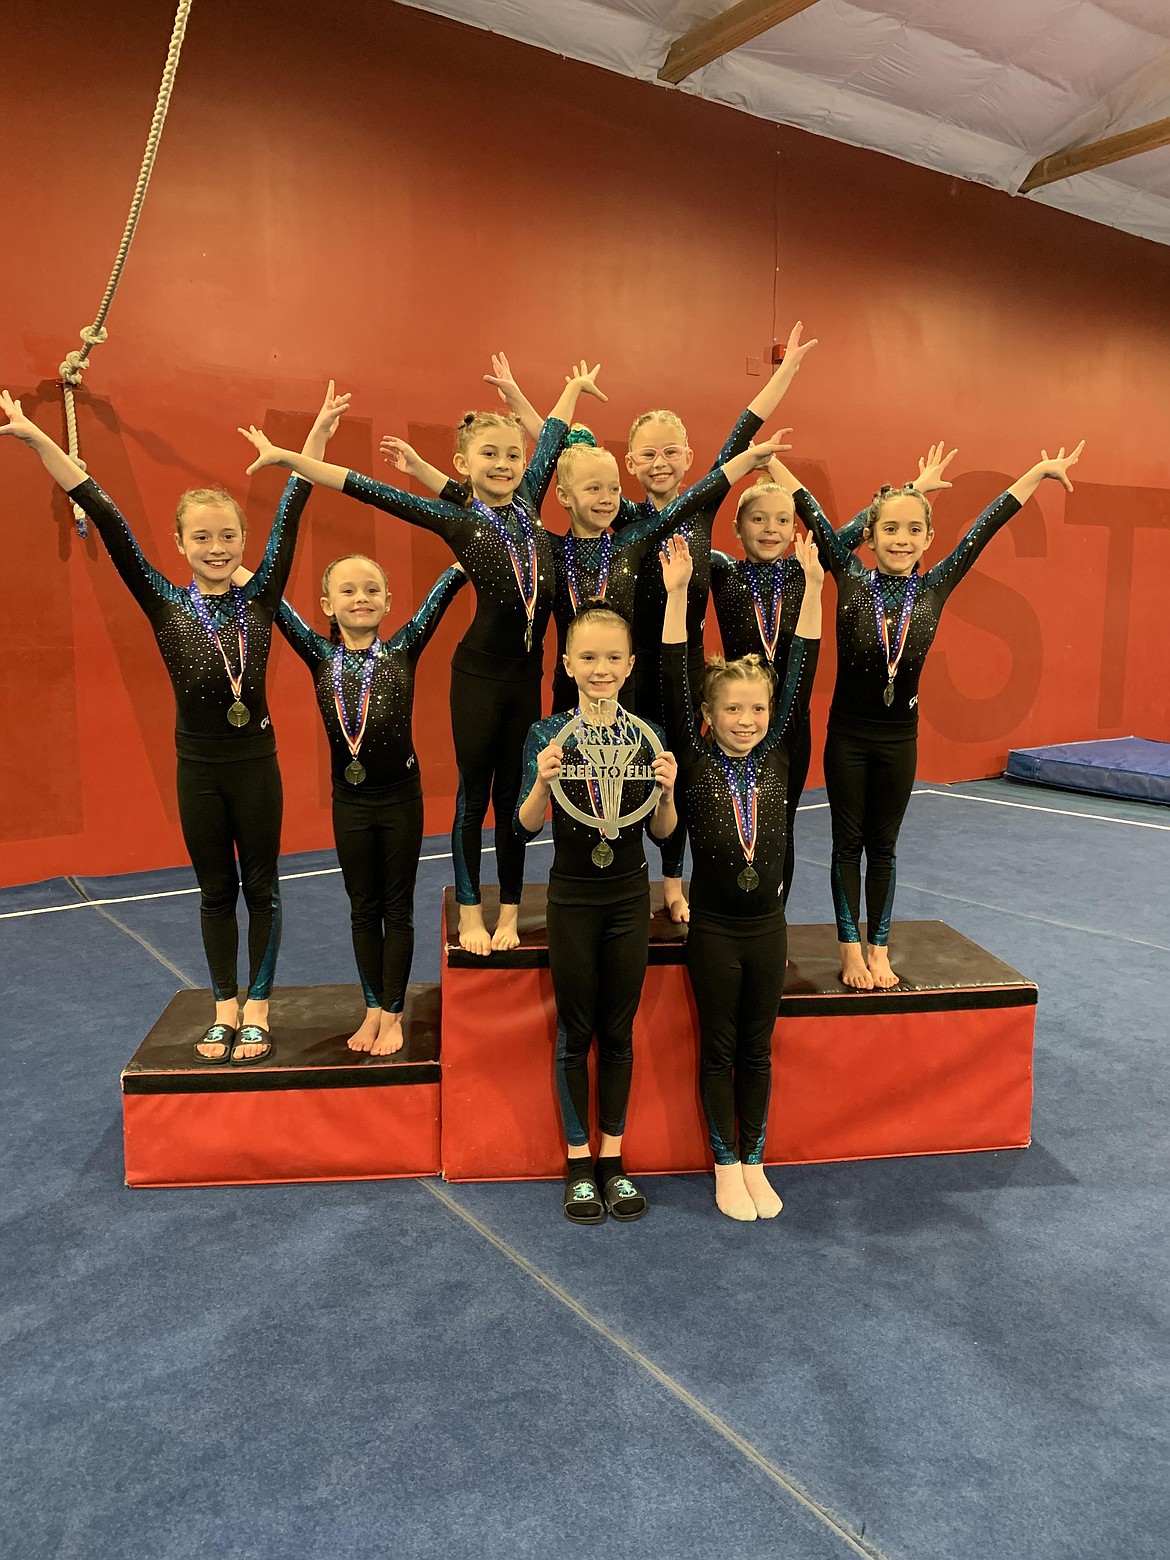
{"points": [[332, 409], [586, 379], [267, 453], [666, 774], [809, 559], [761, 454], [18, 424], [402, 456], [794, 349], [1057, 467], [501, 376], [677, 563]]}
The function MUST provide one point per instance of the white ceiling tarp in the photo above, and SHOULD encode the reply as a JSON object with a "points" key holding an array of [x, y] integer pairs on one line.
{"points": [[978, 90]]}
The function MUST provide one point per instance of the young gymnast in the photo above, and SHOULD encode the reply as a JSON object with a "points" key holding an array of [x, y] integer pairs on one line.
{"points": [[735, 785], [887, 617], [598, 895], [214, 638], [365, 693], [497, 669], [659, 458], [757, 597]]}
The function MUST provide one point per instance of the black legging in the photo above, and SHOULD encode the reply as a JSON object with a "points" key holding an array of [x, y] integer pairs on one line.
{"points": [[378, 844], [597, 956], [738, 978], [800, 756], [869, 781], [225, 809], [489, 722]]}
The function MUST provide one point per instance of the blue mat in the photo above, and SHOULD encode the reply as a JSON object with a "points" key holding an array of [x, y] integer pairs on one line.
{"points": [[1126, 766]]}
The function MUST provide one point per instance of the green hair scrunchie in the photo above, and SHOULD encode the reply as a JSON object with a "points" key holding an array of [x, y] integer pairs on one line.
{"points": [[580, 435]]}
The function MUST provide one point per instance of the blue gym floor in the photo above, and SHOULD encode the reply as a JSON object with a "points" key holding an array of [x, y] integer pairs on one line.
{"points": [[958, 1358]]}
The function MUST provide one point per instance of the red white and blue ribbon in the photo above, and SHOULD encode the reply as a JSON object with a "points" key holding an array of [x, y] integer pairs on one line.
{"points": [[353, 739], [527, 582], [879, 607], [746, 802], [200, 608], [769, 623]]}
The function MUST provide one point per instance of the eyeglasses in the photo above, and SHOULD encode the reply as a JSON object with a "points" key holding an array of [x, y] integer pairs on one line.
{"points": [[671, 453]]}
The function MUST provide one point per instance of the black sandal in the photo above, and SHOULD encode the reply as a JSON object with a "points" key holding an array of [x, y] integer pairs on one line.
{"points": [[582, 1203], [216, 1034], [251, 1034], [623, 1199]]}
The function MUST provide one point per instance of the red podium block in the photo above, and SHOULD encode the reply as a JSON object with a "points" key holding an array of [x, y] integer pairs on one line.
{"points": [[940, 1064], [316, 1112]]}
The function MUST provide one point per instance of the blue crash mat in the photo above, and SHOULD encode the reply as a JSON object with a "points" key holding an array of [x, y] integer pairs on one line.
{"points": [[1125, 766]]}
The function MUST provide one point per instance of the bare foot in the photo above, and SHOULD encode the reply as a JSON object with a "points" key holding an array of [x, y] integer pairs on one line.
{"points": [[507, 934], [853, 970], [390, 1036], [879, 966], [228, 1014], [761, 1192], [731, 1195], [364, 1036], [673, 901], [253, 1012], [473, 934]]}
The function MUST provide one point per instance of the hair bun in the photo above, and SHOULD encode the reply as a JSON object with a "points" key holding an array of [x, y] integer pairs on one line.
{"points": [[579, 434], [467, 419]]}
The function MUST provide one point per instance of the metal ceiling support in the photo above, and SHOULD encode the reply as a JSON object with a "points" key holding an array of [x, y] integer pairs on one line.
{"points": [[729, 30], [1098, 154]]}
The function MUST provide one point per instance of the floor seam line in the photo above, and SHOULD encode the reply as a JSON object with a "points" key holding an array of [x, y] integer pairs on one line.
{"points": [[750, 1453], [138, 938]]}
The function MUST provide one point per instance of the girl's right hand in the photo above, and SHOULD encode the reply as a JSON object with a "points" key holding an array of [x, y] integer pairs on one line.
{"points": [[267, 453], [501, 377], [549, 762], [20, 426], [931, 468], [677, 564], [1057, 466], [401, 455]]}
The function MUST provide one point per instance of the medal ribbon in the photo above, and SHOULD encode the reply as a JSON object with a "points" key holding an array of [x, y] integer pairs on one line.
{"points": [[746, 804], [354, 741], [527, 582], [202, 612], [770, 634], [602, 568], [879, 608]]}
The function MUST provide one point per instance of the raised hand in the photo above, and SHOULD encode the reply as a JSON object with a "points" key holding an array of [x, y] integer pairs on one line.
{"points": [[761, 455], [332, 409], [501, 376], [796, 350], [931, 469], [809, 559], [267, 453], [585, 379], [677, 563], [1057, 465], [20, 426], [404, 457]]}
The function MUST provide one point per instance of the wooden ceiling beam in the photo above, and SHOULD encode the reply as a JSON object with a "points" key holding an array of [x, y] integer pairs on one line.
{"points": [[1099, 154], [729, 30]]}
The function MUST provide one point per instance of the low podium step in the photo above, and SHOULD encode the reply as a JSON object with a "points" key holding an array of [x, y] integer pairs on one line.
{"points": [[940, 1064], [316, 1112]]}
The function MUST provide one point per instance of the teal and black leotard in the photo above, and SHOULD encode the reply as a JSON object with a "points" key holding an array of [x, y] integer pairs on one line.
{"points": [[228, 782], [377, 822]]}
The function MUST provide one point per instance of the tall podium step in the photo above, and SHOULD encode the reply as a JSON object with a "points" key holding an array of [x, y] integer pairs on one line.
{"points": [[316, 1112], [940, 1064]]}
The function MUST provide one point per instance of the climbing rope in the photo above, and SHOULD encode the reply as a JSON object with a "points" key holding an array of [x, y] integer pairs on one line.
{"points": [[93, 335]]}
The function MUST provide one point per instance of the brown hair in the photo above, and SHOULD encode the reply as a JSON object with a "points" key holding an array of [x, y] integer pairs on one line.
{"points": [[660, 415], [597, 612], [874, 513], [475, 422], [747, 668], [760, 489], [208, 495], [334, 631]]}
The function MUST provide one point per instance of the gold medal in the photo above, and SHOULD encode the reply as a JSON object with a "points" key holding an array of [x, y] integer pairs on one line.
{"points": [[888, 695], [748, 879], [528, 636], [355, 773], [239, 714], [602, 854]]}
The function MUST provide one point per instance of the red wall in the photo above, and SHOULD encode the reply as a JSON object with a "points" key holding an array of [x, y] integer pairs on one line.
{"points": [[386, 198]]}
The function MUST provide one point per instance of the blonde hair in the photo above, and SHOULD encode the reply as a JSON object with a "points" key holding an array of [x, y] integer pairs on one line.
{"points": [[597, 612], [760, 489], [874, 513], [746, 668], [208, 495], [334, 631], [570, 456], [661, 415]]}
